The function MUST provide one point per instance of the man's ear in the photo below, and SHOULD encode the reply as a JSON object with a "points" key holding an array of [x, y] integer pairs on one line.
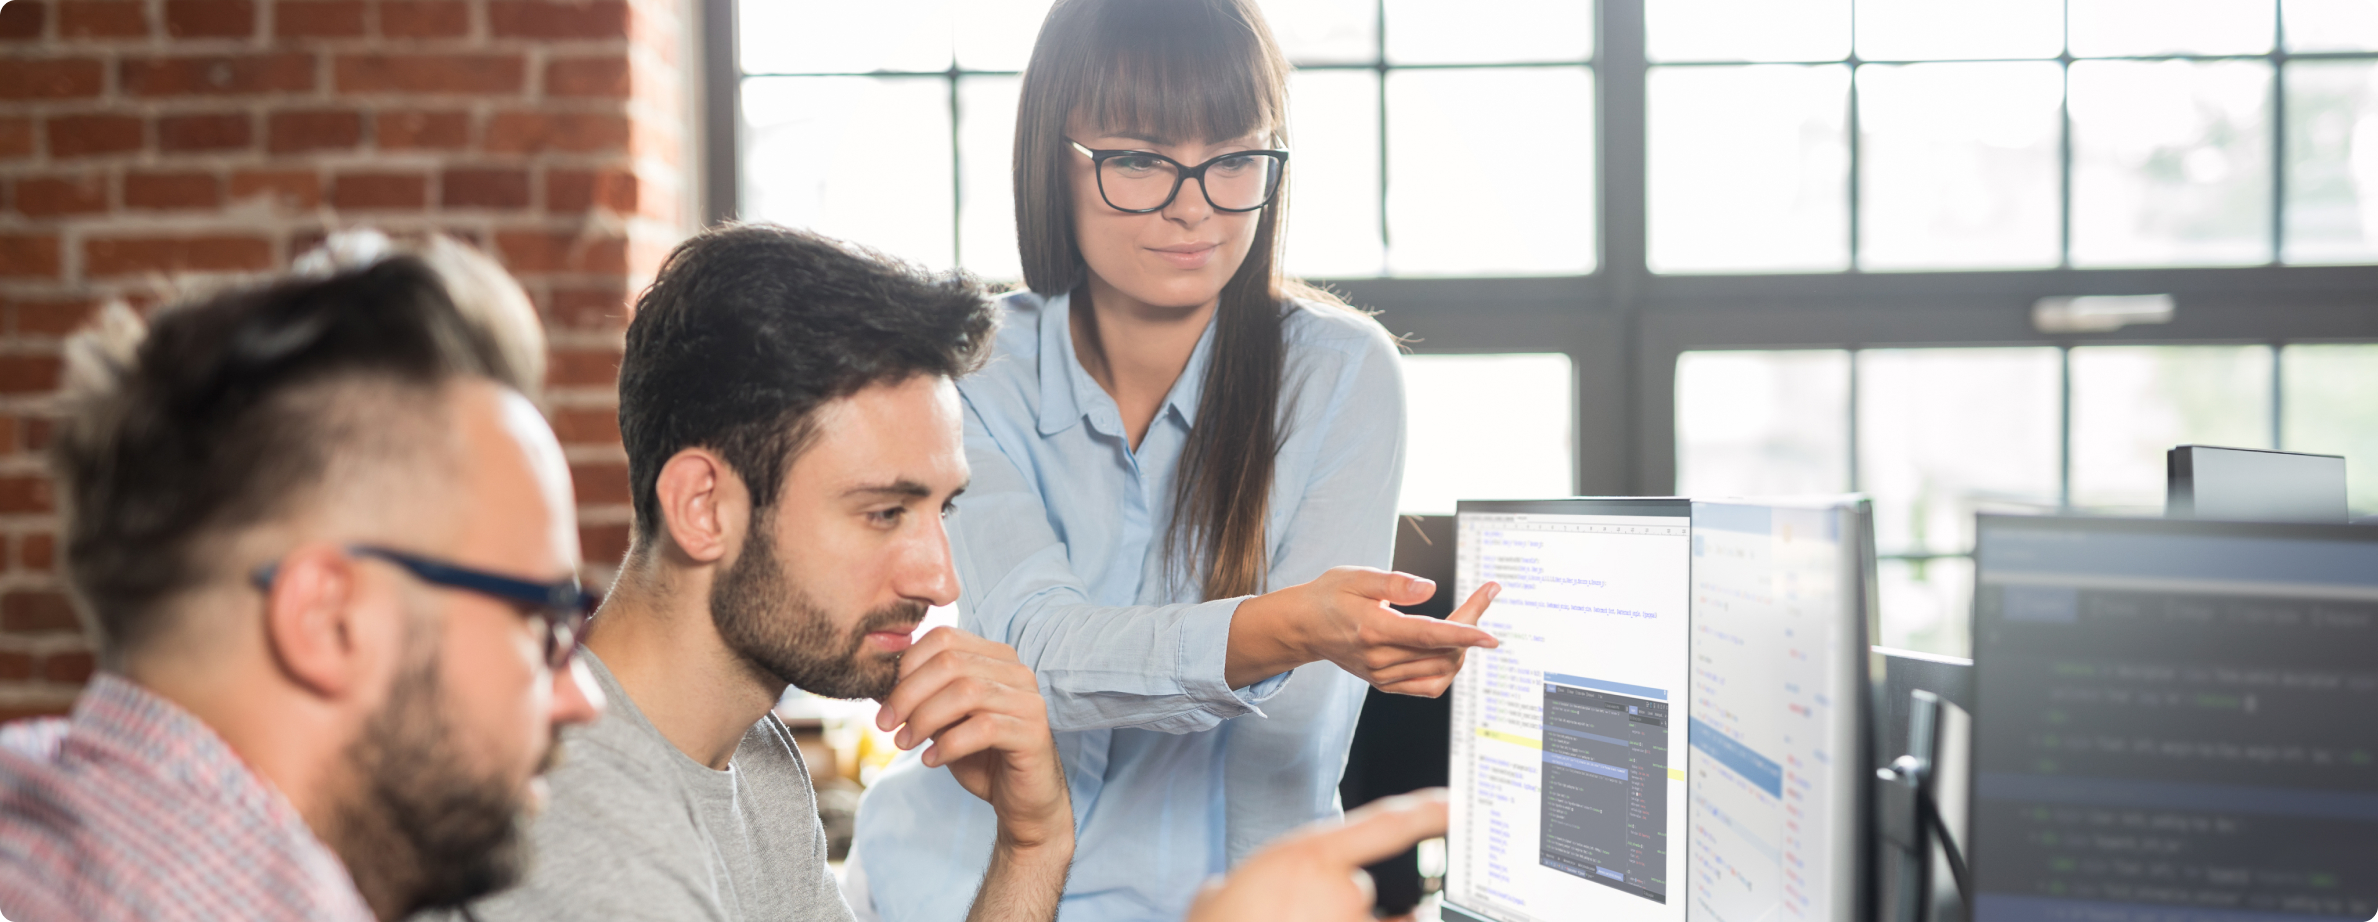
{"points": [[703, 504], [310, 620]]}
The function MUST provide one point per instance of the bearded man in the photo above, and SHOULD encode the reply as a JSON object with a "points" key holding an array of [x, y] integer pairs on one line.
{"points": [[793, 441], [327, 547]]}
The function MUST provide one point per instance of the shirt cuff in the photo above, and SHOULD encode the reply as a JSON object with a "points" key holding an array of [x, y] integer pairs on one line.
{"points": [[1205, 654]]}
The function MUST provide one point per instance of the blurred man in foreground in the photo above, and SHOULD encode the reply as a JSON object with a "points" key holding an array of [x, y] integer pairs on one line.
{"points": [[327, 548]]}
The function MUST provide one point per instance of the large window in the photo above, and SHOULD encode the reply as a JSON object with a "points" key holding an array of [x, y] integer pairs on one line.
{"points": [[1721, 245], [892, 123]]}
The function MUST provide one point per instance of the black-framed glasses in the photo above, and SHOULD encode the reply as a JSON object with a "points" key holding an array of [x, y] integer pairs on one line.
{"points": [[1139, 181], [562, 605]]}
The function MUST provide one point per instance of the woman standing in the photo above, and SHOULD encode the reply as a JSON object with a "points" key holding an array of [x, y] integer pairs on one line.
{"points": [[1168, 428]]}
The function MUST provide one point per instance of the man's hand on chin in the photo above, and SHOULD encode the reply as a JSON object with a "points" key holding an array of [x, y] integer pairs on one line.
{"points": [[981, 708]]}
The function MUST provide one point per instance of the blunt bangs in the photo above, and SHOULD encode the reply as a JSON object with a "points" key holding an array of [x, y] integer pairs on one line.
{"points": [[1181, 72]]}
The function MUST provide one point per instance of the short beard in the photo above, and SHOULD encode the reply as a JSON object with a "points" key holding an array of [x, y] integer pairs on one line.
{"points": [[426, 833], [775, 628]]}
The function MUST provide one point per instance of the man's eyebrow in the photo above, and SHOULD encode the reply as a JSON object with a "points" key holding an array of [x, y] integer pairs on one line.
{"points": [[908, 488]]}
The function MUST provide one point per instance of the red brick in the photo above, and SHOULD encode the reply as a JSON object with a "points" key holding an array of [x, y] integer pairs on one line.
{"points": [[578, 190], [430, 73], [577, 366], [534, 19], [8, 434], [600, 483], [424, 18], [219, 75], [88, 135], [220, 131], [289, 132], [484, 188], [31, 612], [210, 18], [571, 132], [379, 190], [137, 255], [49, 318], [51, 196], [22, 711], [317, 18], [22, 493], [604, 76], [15, 666], [290, 190], [422, 130], [102, 19], [589, 308], [38, 552], [172, 190], [28, 256], [70, 668], [586, 425], [37, 433], [605, 545], [548, 251], [16, 137], [21, 20], [50, 78]]}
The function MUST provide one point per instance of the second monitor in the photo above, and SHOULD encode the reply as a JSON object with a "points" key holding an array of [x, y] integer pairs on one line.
{"points": [[1671, 729]]}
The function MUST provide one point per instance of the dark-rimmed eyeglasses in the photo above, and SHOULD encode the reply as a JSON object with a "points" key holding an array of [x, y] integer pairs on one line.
{"points": [[1139, 182], [563, 605]]}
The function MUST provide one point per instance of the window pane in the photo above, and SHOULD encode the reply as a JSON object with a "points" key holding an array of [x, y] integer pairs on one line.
{"points": [[2332, 161], [864, 158], [1333, 187], [1922, 30], [1959, 166], [2330, 405], [1489, 31], [1490, 171], [1927, 604], [1324, 31], [2133, 27], [2330, 25], [1762, 423], [2171, 163], [1945, 432], [1746, 30], [830, 36], [1486, 427], [995, 34], [987, 187], [1749, 168], [2131, 404]]}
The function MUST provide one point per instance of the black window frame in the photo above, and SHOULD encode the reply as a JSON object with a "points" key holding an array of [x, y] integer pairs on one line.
{"points": [[1623, 326]]}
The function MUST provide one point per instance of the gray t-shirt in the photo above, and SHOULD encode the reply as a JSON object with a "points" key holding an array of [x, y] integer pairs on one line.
{"points": [[636, 830]]}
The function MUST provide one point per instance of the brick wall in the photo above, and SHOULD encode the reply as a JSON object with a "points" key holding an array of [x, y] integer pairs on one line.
{"points": [[150, 144]]}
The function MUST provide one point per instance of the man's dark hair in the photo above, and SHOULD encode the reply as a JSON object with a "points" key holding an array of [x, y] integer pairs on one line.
{"points": [[749, 328], [227, 413]]}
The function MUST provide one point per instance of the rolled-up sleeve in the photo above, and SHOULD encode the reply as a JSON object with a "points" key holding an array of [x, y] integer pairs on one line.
{"points": [[1156, 667]]}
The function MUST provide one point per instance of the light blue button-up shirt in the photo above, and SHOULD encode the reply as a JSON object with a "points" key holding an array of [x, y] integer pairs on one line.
{"points": [[1060, 552]]}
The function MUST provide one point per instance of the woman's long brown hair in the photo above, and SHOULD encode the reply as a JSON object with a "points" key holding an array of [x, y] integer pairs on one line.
{"points": [[1191, 70]]}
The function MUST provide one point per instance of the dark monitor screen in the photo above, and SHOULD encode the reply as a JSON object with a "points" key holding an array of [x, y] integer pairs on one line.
{"points": [[2175, 721]]}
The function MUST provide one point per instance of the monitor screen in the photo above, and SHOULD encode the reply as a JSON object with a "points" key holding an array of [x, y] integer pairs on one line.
{"points": [[2174, 721], [1568, 785], [1778, 767]]}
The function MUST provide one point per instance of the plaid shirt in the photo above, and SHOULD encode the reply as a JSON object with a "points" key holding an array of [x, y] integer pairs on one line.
{"points": [[134, 809]]}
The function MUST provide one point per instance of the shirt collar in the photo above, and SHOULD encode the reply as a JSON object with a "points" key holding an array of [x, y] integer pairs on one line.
{"points": [[1068, 395], [120, 715]]}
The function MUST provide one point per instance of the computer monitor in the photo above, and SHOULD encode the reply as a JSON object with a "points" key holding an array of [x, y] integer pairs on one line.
{"points": [[2205, 482], [1568, 781], [1676, 724], [1779, 774], [2174, 721]]}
